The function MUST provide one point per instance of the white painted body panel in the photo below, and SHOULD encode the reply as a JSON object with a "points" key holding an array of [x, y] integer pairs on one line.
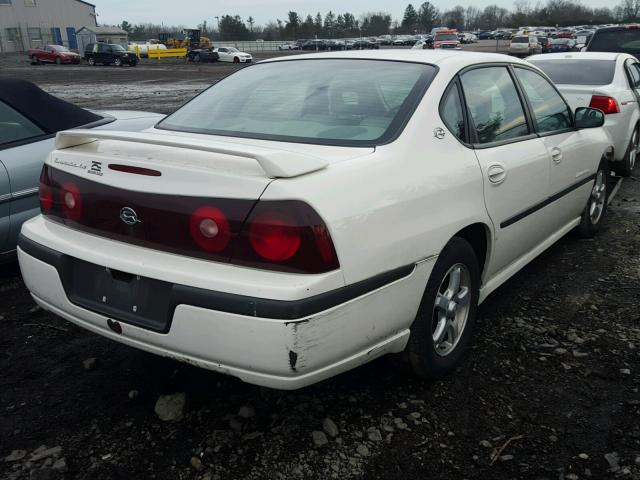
{"points": [[393, 206]]}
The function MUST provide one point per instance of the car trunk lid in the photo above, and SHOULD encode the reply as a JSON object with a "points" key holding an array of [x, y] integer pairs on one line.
{"points": [[579, 95]]}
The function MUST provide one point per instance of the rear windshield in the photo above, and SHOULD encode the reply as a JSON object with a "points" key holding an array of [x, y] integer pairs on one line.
{"points": [[627, 41], [446, 37], [324, 101], [578, 72], [560, 41], [520, 40]]}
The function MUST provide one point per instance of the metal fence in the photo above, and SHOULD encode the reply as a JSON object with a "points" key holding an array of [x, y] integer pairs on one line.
{"points": [[251, 46]]}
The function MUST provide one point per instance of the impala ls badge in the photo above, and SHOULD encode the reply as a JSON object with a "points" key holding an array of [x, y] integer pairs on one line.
{"points": [[129, 216]]}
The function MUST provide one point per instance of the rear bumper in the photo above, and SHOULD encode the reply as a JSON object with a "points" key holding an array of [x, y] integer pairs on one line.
{"points": [[253, 344]]}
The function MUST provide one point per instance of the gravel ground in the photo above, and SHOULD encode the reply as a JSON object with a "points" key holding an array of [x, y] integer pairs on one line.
{"points": [[549, 390]]}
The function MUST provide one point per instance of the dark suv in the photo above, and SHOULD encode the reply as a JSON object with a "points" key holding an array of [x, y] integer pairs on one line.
{"points": [[109, 54], [622, 39]]}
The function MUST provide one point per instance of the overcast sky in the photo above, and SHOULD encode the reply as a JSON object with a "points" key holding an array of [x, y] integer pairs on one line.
{"points": [[190, 13]]}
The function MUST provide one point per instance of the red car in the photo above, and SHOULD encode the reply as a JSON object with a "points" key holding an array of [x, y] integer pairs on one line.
{"points": [[446, 39], [52, 54], [565, 34]]}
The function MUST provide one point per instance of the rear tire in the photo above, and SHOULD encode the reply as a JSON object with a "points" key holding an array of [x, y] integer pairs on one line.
{"points": [[596, 208], [625, 167], [443, 328], [91, 61], [197, 58]]}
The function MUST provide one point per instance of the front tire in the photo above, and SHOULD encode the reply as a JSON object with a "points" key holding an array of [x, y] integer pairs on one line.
{"points": [[236, 60], [596, 207], [117, 62], [58, 61], [443, 328], [197, 58], [625, 167]]}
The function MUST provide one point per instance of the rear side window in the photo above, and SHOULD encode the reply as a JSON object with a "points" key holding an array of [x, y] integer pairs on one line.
{"points": [[627, 41], [15, 127], [578, 72], [451, 112], [634, 74], [494, 104], [549, 108]]}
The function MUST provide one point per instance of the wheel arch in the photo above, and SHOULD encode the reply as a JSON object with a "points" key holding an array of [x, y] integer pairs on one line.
{"points": [[479, 237]]}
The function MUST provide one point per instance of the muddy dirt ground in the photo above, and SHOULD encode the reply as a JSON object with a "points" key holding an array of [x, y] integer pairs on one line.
{"points": [[550, 389]]}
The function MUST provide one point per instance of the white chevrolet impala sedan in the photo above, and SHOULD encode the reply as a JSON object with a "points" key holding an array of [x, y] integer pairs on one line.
{"points": [[305, 216]]}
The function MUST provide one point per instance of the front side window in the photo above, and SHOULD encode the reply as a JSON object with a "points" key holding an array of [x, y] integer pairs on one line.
{"points": [[549, 108], [103, 48], [452, 113], [15, 127], [328, 101], [494, 104]]}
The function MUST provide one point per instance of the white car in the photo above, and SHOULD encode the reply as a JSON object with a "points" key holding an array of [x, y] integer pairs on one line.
{"points": [[288, 46], [317, 216], [231, 54], [608, 81], [522, 45]]}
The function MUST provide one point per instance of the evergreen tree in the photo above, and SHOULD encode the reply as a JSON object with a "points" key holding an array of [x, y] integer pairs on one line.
{"points": [[410, 19]]}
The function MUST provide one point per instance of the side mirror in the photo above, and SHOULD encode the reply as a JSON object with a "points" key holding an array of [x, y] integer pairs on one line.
{"points": [[586, 117]]}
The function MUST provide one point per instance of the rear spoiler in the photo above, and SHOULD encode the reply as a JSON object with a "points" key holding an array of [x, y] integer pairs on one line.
{"points": [[275, 163]]}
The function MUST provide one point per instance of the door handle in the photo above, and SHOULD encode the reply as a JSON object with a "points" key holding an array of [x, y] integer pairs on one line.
{"points": [[556, 155], [497, 174]]}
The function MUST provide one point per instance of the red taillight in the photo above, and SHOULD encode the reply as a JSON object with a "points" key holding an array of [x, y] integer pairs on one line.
{"points": [[71, 201], [210, 229], [607, 104], [285, 235], [46, 192], [274, 237]]}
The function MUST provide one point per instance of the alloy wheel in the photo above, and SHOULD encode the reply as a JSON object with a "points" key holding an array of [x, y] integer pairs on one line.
{"points": [[598, 197], [451, 309]]}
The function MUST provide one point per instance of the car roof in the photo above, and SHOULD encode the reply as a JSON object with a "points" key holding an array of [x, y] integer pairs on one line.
{"points": [[442, 58], [586, 56]]}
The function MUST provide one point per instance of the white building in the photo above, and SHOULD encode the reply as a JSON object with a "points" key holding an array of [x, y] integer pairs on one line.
{"points": [[87, 35], [31, 23]]}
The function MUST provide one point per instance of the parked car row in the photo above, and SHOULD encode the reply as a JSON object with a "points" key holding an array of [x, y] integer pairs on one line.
{"points": [[115, 54]]}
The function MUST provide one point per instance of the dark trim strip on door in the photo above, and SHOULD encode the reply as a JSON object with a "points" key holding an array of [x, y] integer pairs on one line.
{"points": [[9, 197], [538, 206]]}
